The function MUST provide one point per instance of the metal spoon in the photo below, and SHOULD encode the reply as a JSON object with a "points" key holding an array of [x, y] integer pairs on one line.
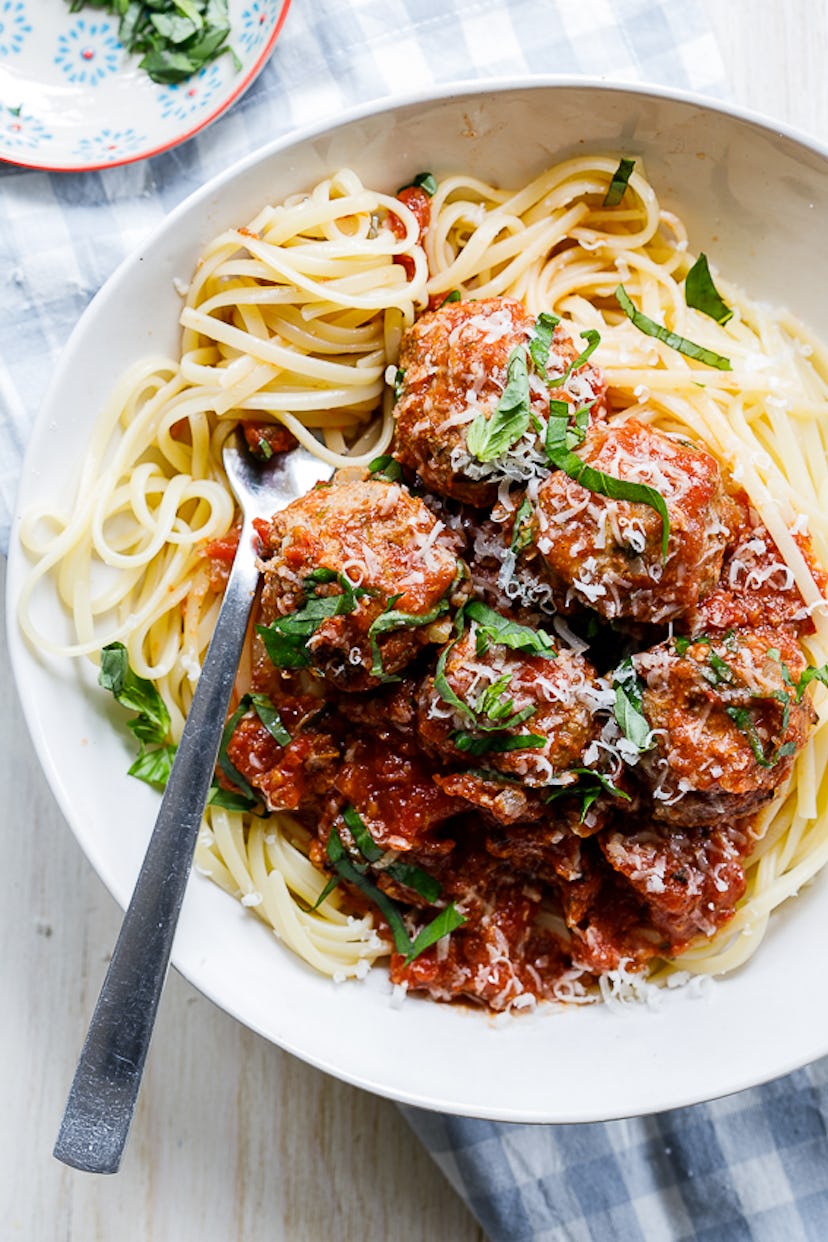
{"points": [[105, 1087]]}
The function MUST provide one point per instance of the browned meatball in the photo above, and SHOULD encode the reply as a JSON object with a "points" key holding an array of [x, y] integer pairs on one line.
{"points": [[454, 363], [527, 715], [607, 553], [368, 548], [726, 722]]}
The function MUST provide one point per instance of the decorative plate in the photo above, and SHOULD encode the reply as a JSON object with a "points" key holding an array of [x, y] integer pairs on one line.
{"points": [[72, 99]]}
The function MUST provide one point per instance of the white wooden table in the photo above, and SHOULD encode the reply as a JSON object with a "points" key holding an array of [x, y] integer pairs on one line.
{"points": [[234, 1140]]}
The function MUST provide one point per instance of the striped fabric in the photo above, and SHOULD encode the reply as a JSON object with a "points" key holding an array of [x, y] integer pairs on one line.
{"points": [[750, 1168]]}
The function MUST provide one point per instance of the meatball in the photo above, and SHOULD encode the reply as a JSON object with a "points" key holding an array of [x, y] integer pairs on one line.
{"points": [[382, 554], [726, 722], [607, 553], [455, 363], [529, 716], [690, 879]]}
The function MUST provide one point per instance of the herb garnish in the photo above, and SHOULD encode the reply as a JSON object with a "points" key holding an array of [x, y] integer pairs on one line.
{"points": [[494, 744], [154, 762], [386, 467], [588, 788], [177, 37], [399, 380], [701, 294], [489, 438], [743, 720], [391, 619], [541, 340], [286, 638], [354, 872], [628, 707], [561, 455], [423, 181], [408, 874], [680, 343], [618, 185], [491, 626], [454, 296], [270, 718]]}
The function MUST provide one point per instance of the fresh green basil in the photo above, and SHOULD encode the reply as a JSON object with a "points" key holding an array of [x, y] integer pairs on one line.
{"points": [[496, 743], [176, 37], [285, 639], [593, 480], [443, 923], [490, 437], [392, 619], [701, 294], [492, 627], [618, 185], [628, 707], [680, 343], [386, 467], [540, 341], [423, 181], [136, 694]]}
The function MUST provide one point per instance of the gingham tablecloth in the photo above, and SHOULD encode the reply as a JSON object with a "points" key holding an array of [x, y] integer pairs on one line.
{"points": [[750, 1168]]}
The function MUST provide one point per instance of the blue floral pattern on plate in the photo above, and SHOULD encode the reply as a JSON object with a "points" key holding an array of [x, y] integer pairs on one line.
{"points": [[256, 24], [88, 52], [73, 98], [110, 145], [184, 99], [21, 130], [14, 26]]}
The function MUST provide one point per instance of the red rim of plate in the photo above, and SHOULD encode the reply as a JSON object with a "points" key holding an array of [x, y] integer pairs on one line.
{"points": [[242, 86]]}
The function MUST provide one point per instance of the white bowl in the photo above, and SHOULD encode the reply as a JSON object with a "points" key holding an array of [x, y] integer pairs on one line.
{"points": [[754, 199]]}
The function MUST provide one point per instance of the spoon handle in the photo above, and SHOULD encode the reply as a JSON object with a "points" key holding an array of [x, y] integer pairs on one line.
{"points": [[105, 1087]]}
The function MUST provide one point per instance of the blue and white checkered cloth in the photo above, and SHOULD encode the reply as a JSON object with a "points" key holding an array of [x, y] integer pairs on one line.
{"points": [[749, 1168]]}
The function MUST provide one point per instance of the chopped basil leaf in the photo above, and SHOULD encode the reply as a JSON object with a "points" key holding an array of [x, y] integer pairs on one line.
{"points": [[593, 340], [811, 674], [413, 877], [408, 874], [228, 800], [333, 883], [386, 467], [618, 185], [683, 644], [365, 843], [454, 296], [717, 671], [521, 531], [743, 720], [541, 340], [446, 921], [597, 481], [224, 762], [679, 343], [492, 704], [492, 627], [285, 639], [701, 294], [489, 438], [391, 619], [492, 743], [269, 717], [153, 765], [348, 871], [135, 693], [178, 37], [423, 181], [588, 788], [628, 706], [399, 379]]}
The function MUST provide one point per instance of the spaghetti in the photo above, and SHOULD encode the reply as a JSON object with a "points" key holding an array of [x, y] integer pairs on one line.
{"points": [[297, 319]]}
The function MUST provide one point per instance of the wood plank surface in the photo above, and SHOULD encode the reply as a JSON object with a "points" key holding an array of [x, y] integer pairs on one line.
{"points": [[235, 1141]]}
